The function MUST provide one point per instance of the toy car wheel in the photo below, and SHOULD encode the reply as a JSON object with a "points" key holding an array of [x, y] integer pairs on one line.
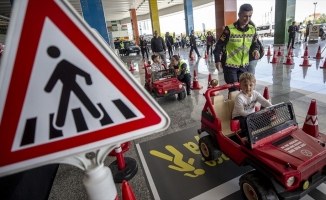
{"points": [[207, 149], [253, 188], [182, 94]]}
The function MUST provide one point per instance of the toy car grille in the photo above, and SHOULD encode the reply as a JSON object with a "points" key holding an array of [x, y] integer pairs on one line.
{"points": [[270, 120]]}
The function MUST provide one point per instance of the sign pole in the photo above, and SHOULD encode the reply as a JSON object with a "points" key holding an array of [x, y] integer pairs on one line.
{"points": [[98, 179]]}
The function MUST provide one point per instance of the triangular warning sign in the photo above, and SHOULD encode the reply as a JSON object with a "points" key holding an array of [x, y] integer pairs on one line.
{"points": [[63, 91]]}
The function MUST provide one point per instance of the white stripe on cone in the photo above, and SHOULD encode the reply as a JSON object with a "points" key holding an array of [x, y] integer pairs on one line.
{"points": [[311, 120]]}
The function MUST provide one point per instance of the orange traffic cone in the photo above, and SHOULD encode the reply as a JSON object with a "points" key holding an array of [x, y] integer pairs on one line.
{"points": [[318, 54], [131, 66], [310, 125], [279, 53], [192, 58], [195, 83], [288, 61], [206, 56], [324, 66], [274, 60], [305, 53], [127, 193], [266, 96], [305, 62], [269, 51]]}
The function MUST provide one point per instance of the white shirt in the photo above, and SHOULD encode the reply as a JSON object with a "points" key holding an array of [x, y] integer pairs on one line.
{"points": [[156, 67], [244, 105]]}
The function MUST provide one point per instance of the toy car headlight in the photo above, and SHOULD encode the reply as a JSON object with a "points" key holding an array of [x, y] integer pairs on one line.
{"points": [[290, 181]]}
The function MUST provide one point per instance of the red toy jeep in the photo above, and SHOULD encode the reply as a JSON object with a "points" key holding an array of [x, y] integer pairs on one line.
{"points": [[164, 83], [288, 162]]}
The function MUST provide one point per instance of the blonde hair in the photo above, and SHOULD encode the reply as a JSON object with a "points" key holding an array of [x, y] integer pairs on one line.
{"points": [[247, 76]]}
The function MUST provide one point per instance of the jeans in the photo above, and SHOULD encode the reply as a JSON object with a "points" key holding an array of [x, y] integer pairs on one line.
{"points": [[232, 74], [252, 66]]}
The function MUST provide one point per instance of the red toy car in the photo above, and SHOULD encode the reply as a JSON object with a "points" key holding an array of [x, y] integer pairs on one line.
{"points": [[288, 162], [163, 83]]}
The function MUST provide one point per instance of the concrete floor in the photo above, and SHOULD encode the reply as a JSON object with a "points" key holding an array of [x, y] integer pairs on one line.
{"points": [[285, 83]]}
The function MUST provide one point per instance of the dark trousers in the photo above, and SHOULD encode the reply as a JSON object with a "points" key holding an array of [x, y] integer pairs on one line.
{"points": [[291, 38], [243, 125], [186, 79], [143, 51], [194, 47], [232, 75], [170, 51], [305, 39], [209, 47]]}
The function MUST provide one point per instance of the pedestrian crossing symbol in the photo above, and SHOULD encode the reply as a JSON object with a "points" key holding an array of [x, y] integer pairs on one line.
{"points": [[68, 93]]}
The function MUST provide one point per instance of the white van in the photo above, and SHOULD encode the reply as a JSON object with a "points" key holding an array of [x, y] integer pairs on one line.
{"points": [[266, 30]]}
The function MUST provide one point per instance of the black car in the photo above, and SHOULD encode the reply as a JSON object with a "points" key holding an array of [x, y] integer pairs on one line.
{"points": [[130, 47]]}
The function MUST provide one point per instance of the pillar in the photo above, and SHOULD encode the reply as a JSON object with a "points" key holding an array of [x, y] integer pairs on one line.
{"points": [[134, 24], [225, 14], [154, 16], [93, 14], [189, 16], [285, 16]]}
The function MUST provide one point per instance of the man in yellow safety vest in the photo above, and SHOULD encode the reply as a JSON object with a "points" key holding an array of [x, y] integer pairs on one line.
{"points": [[236, 40]]}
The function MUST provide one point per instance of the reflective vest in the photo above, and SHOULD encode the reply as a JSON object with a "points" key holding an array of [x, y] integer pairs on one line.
{"points": [[179, 68], [202, 37], [187, 38], [237, 48], [122, 46], [174, 40]]}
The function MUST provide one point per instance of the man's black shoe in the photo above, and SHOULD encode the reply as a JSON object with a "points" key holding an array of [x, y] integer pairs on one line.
{"points": [[293, 48], [188, 93]]}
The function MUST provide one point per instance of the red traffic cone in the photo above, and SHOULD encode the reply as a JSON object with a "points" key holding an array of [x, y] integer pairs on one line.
{"points": [[305, 53], [310, 125], [279, 53], [127, 193], [192, 58], [324, 66], [209, 85], [274, 60], [305, 62], [206, 56], [266, 96], [290, 52], [195, 83], [318, 54], [288, 61], [131, 66], [269, 51]]}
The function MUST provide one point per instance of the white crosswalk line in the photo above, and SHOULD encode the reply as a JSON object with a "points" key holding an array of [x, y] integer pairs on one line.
{"points": [[322, 188], [220, 191]]}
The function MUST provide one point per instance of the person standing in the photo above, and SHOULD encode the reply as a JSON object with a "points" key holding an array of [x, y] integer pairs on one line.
{"points": [[237, 38], [143, 47], [292, 30], [210, 40], [158, 46], [169, 43], [193, 45], [307, 30], [122, 48]]}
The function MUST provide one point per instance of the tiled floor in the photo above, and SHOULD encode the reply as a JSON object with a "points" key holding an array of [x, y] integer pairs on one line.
{"points": [[285, 83]]}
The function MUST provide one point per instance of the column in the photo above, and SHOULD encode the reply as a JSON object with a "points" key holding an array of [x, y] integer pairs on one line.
{"points": [[134, 24], [189, 16], [225, 14], [93, 14], [285, 16], [154, 16]]}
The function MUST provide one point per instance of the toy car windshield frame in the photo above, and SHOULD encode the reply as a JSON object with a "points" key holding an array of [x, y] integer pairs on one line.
{"points": [[163, 74], [269, 121]]}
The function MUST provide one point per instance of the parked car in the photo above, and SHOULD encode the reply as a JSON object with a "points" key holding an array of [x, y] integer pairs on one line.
{"points": [[266, 30], [130, 47], [288, 162]]}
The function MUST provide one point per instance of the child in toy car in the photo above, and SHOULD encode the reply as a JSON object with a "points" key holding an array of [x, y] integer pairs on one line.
{"points": [[245, 101]]}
